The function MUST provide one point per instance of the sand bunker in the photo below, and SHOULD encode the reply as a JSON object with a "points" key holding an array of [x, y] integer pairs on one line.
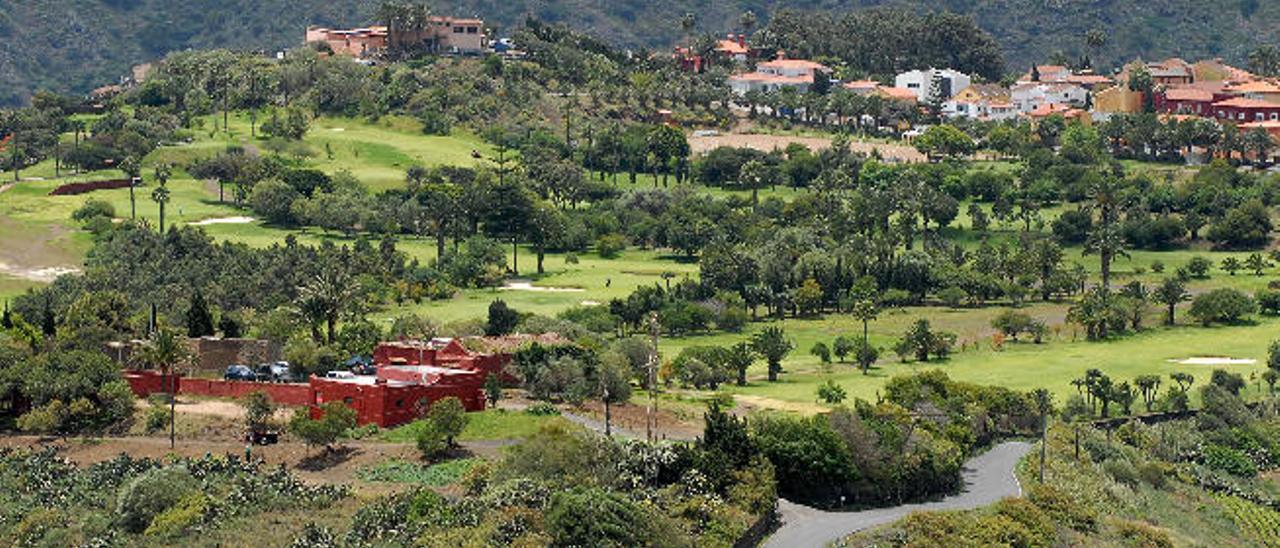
{"points": [[1211, 360], [526, 285], [224, 221], [43, 275]]}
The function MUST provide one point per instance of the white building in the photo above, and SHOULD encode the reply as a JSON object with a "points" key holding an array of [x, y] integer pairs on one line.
{"points": [[1027, 97], [980, 102], [949, 82]]}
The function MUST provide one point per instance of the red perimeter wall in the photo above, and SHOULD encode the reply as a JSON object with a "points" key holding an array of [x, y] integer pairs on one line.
{"points": [[380, 404], [388, 406]]}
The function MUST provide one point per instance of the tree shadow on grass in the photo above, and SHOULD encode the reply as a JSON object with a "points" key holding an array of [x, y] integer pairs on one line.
{"points": [[327, 458]]}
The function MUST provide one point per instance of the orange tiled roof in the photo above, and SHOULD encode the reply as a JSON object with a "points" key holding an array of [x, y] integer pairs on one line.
{"points": [[794, 63], [731, 47], [1244, 102], [772, 78], [1188, 94], [862, 84], [1088, 79], [1049, 109], [1259, 86], [902, 94]]}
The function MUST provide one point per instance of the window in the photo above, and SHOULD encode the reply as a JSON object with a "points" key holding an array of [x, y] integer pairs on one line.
{"points": [[472, 30], [458, 30], [348, 400], [400, 403], [1260, 116], [1275, 116], [1240, 116]]}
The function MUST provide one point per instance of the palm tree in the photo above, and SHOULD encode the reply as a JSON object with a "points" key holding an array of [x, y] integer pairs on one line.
{"points": [[772, 343], [747, 21], [1094, 39], [132, 169], [391, 13], [164, 351], [686, 26], [1044, 406], [1265, 61], [1258, 141], [330, 293], [865, 311], [1106, 240], [161, 194]]}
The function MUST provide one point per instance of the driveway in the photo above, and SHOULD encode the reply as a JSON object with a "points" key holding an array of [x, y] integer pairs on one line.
{"points": [[987, 477]]}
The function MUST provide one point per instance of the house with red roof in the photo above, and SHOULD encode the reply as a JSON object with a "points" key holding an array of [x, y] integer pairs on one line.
{"points": [[734, 47], [779, 73], [1244, 110]]}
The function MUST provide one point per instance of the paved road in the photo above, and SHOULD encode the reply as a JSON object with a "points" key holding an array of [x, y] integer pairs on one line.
{"points": [[988, 478]]}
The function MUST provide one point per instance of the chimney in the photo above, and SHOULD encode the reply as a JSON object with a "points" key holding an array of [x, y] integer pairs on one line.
{"points": [[742, 40], [782, 54], [729, 36]]}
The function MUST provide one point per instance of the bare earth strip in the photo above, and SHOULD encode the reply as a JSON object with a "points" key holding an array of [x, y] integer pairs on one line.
{"points": [[767, 143]]}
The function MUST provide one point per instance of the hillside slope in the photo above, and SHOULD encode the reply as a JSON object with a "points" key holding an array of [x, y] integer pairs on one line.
{"points": [[75, 45]]}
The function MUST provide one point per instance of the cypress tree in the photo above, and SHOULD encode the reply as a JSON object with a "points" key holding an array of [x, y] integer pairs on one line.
{"points": [[199, 320]]}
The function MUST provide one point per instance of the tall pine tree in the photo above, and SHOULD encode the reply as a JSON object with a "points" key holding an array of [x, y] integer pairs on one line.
{"points": [[199, 320]]}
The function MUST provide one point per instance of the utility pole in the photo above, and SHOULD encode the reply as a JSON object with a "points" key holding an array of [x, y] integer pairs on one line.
{"points": [[14, 143], [608, 422], [651, 418]]}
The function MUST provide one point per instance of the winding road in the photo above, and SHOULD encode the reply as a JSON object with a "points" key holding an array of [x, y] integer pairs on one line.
{"points": [[987, 477]]}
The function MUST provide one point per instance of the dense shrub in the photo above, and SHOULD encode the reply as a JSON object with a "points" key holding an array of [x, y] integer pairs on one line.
{"points": [[189, 511], [1229, 460], [148, 495], [1222, 305], [1062, 508]]}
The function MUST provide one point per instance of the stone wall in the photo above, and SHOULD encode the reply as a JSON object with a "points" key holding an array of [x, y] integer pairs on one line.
{"points": [[216, 354]]}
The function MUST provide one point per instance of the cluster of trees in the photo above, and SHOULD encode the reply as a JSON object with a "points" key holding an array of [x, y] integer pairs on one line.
{"points": [[61, 392], [885, 41], [117, 139], [572, 487], [908, 446], [1097, 395], [1150, 137], [313, 298]]}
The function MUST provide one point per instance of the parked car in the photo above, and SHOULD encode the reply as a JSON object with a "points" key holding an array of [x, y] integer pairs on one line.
{"points": [[340, 375], [275, 372], [239, 373], [263, 437], [361, 365]]}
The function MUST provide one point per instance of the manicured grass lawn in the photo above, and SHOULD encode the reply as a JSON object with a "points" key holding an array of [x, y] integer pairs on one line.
{"points": [[378, 153], [491, 424], [1022, 365], [11, 287]]}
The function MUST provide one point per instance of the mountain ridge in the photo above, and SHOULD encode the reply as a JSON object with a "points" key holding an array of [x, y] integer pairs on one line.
{"points": [[71, 46]]}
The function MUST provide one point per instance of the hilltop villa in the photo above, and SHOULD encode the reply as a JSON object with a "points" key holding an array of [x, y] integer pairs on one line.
{"points": [[442, 34]]}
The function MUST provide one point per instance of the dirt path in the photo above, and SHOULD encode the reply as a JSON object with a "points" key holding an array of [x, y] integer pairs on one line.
{"points": [[987, 478], [763, 402], [767, 143], [340, 467]]}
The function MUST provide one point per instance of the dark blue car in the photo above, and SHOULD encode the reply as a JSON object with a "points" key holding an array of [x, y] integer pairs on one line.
{"points": [[239, 373]]}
